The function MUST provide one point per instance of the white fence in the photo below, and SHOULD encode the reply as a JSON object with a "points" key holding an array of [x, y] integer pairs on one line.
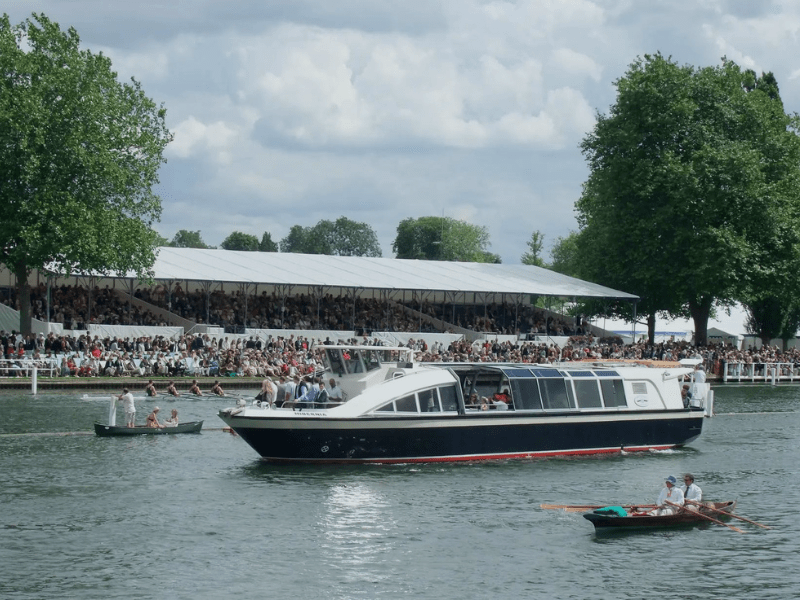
{"points": [[764, 372], [23, 367]]}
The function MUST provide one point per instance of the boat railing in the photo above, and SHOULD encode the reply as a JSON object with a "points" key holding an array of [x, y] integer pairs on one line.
{"points": [[760, 372]]}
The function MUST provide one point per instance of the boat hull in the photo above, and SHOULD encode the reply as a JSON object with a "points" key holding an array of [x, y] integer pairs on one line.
{"points": [[104, 430], [682, 518], [480, 436]]}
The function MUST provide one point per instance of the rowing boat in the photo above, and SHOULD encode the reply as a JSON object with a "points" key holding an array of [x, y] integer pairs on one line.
{"points": [[104, 430], [634, 520]]}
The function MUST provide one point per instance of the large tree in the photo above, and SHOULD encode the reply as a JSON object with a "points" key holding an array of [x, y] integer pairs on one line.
{"points": [[693, 193], [188, 239], [79, 154], [442, 238], [240, 241], [266, 244], [342, 237], [533, 256]]}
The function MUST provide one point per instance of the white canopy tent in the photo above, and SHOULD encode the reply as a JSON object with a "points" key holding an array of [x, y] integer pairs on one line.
{"points": [[390, 274]]}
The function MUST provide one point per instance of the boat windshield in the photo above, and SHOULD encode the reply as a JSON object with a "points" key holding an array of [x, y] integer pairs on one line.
{"points": [[353, 360]]}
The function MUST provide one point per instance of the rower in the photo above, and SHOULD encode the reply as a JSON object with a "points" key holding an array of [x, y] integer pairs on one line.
{"points": [[150, 388], [195, 389], [671, 494], [691, 491], [217, 389]]}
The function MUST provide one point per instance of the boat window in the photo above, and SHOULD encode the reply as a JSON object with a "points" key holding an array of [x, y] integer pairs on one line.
{"points": [[372, 360], [546, 372], [613, 392], [554, 394], [588, 393], [407, 404], [386, 408], [335, 361], [448, 396], [429, 401], [352, 360], [526, 394]]}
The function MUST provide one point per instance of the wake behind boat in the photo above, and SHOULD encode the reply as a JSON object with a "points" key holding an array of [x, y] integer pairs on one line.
{"points": [[400, 411], [103, 430]]}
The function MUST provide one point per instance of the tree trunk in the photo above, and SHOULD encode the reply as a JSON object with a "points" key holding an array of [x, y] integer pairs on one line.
{"points": [[23, 297], [651, 328], [700, 310]]}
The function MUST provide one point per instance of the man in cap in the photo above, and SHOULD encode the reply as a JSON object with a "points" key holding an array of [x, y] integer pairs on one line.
{"points": [[671, 493]]}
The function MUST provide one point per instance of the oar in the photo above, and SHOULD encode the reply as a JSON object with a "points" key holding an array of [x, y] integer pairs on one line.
{"points": [[722, 512], [583, 507], [712, 519]]}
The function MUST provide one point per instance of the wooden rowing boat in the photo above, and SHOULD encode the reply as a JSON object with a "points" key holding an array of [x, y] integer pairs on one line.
{"points": [[104, 430], [639, 521]]}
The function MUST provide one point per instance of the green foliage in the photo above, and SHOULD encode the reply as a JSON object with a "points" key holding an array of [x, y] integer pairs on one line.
{"points": [[693, 195], [340, 238], [564, 256], [266, 244], [240, 241], [534, 254], [442, 238], [188, 239], [79, 154]]}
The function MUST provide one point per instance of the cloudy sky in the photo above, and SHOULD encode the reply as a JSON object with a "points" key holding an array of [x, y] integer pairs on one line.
{"points": [[288, 112]]}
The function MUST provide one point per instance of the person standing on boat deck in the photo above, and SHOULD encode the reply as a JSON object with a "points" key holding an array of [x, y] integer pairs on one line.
{"points": [[670, 493], [268, 391], [322, 399], [150, 388], [335, 393], [699, 387], [130, 408], [310, 395], [691, 491], [217, 389]]}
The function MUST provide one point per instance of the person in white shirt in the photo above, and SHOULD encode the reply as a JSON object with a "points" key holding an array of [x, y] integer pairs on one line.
{"points": [[335, 393], [699, 387], [130, 408], [671, 494], [691, 491]]}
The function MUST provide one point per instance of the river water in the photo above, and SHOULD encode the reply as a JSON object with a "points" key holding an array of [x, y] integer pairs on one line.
{"points": [[200, 516]]}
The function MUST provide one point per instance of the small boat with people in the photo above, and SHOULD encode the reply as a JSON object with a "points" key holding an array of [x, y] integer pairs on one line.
{"points": [[396, 410], [105, 430], [642, 517]]}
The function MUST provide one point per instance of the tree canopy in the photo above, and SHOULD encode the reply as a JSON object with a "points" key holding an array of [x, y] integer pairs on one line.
{"points": [[240, 241], [188, 239], [533, 256], [79, 154], [342, 237], [442, 238], [266, 244], [693, 195]]}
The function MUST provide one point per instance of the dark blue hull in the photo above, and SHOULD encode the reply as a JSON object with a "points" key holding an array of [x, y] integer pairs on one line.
{"points": [[463, 437]]}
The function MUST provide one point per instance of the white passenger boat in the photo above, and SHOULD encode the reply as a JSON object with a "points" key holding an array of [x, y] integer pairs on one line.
{"points": [[399, 411]]}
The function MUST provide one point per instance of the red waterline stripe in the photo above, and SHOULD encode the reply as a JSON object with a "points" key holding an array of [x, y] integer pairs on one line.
{"points": [[437, 459]]}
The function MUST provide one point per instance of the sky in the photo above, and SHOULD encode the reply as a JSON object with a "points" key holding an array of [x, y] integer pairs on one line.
{"points": [[286, 113]]}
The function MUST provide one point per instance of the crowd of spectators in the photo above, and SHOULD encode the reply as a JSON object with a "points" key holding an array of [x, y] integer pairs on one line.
{"points": [[75, 307], [204, 355]]}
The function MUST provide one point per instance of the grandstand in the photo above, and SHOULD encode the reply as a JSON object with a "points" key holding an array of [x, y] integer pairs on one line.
{"points": [[218, 292]]}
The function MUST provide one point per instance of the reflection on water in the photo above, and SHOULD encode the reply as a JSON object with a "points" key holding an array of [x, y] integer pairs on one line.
{"points": [[202, 517]]}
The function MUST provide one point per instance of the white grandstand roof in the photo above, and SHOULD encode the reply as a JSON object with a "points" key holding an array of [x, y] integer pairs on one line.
{"points": [[312, 270]]}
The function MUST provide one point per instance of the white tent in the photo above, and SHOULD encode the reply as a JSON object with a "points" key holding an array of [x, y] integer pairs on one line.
{"points": [[362, 273]]}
